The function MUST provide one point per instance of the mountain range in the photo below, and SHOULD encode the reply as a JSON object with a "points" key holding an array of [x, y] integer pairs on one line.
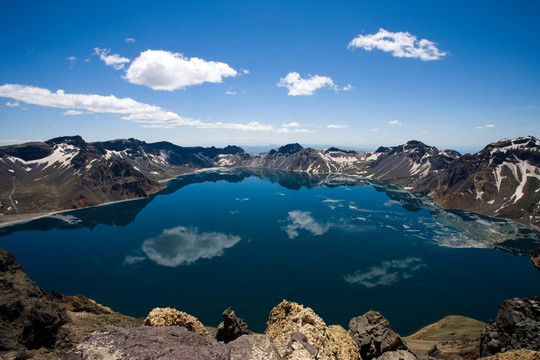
{"points": [[501, 180]]}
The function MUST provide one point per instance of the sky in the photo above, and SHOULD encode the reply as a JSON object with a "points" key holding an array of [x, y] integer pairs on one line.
{"points": [[356, 74]]}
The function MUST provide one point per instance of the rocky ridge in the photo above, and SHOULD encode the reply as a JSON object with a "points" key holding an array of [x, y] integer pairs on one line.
{"points": [[65, 173]]}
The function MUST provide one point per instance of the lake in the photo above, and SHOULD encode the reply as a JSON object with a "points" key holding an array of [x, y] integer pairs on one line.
{"points": [[250, 238]]}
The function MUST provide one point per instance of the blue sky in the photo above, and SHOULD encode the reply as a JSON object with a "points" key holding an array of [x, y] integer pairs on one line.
{"points": [[454, 74]]}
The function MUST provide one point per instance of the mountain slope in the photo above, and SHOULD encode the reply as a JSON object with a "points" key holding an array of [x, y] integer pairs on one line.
{"points": [[501, 180]]}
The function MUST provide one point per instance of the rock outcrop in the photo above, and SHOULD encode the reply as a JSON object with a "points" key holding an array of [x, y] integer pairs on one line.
{"points": [[173, 317], [146, 342], [522, 354], [517, 326], [254, 347], [374, 336], [231, 327], [299, 333], [27, 318]]}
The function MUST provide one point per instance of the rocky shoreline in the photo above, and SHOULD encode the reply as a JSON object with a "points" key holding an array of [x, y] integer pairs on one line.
{"points": [[38, 324]]}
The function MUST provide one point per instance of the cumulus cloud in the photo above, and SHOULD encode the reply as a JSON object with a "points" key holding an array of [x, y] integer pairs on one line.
{"points": [[302, 220], [293, 124], [395, 122], [164, 70], [147, 115], [298, 86], [130, 40], [116, 61], [12, 104], [71, 58], [337, 126], [230, 92], [399, 44], [73, 112], [185, 245], [387, 273]]}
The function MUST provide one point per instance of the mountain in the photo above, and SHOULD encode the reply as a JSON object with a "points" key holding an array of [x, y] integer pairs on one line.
{"points": [[64, 173], [502, 180]]}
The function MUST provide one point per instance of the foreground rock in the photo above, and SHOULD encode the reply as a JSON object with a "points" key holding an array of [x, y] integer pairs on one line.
{"points": [[254, 347], [146, 342], [374, 336], [299, 333], [454, 337], [173, 317], [231, 327], [515, 355], [517, 326], [27, 318]]}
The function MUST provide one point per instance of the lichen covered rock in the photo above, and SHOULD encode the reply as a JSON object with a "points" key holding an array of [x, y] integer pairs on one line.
{"points": [[522, 354], [254, 347], [173, 317], [299, 333]]}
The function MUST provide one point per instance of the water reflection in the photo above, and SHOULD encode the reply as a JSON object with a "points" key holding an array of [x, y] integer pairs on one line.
{"points": [[446, 228], [183, 246], [387, 273]]}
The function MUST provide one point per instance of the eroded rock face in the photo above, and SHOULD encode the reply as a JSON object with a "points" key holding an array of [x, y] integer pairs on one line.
{"points": [[146, 342], [299, 333], [254, 347], [231, 327], [27, 318], [397, 355], [374, 336], [517, 326], [515, 355], [173, 317]]}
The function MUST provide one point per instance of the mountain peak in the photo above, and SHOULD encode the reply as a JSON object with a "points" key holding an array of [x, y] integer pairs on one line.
{"points": [[290, 148], [528, 143]]}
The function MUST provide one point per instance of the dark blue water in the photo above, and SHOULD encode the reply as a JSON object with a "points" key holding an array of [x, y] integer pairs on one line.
{"points": [[246, 239]]}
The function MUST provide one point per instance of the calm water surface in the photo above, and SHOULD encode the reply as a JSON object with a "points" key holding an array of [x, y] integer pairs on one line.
{"points": [[249, 239]]}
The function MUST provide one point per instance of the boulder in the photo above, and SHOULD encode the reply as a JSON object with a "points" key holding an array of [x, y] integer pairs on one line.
{"points": [[299, 333], [27, 318], [146, 342], [517, 326], [254, 347], [522, 354], [173, 317], [397, 355], [231, 327], [374, 336]]}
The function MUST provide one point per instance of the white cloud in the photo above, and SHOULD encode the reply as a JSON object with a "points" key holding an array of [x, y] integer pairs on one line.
{"points": [[116, 61], [164, 70], [12, 104], [73, 112], [185, 245], [303, 220], [291, 125], [245, 71], [488, 126], [150, 116], [130, 40], [337, 126], [71, 58], [388, 273], [130, 260], [395, 122], [230, 92], [349, 87], [298, 86], [399, 44]]}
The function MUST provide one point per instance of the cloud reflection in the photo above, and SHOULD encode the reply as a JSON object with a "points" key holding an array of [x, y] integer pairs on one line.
{"points": [[185, 245], [303, 220], [388, 273]]}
